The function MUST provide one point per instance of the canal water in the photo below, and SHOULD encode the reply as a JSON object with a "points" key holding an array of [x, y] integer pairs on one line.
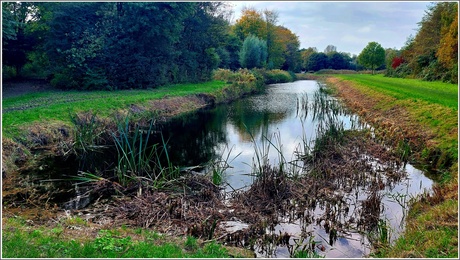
{"points": [[279, 121]]}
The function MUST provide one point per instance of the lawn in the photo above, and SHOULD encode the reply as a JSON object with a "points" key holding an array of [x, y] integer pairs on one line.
{"points": [[58, 105], [445, 94]]}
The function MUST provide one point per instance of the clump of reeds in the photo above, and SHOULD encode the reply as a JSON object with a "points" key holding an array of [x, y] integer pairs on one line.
{"points": [[138, 159], [90, 138]]}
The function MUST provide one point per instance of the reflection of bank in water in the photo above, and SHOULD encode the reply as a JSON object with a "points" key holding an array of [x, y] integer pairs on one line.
{"points": [[345, 200]]}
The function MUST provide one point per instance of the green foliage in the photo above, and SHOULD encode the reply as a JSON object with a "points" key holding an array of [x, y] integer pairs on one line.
{"points": [[106, 242], [433, 53], [372, 56], [134, 45], [44, 243], [338, 61], [277, 76], [316, 61], [253, 54]]}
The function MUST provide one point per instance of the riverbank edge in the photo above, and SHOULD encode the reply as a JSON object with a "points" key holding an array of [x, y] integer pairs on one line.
{"points": [[23, 157], [432, 222]]}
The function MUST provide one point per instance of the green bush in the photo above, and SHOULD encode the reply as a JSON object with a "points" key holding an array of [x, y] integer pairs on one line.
{"points": [[8, 72], [63, 81], [277, 76]]}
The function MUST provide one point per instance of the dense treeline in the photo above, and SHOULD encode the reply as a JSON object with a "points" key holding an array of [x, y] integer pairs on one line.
{"points": [[312, 60], [89, 45], [119, 45], [97, 45], [433, 53]]}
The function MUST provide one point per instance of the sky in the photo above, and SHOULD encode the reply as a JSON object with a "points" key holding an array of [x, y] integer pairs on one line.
{"points": [[349, 26]]}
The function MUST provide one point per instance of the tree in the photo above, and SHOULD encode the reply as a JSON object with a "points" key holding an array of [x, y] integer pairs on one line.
{"points": [[372, 56], [262, 24], [275, 48], [16, 41], [289, 43], [338, 61], [305, 54], [431, 54], [447, 53], [253, 54], [251, 22], [317, 61], [330, 49], [95, 45]]}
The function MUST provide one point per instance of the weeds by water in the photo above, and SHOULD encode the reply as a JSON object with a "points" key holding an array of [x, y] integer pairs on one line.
{"points": [[220, 165], [90, 138], [138, 159]]}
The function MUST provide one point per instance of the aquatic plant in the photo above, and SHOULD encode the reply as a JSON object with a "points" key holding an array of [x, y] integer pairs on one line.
{"points": [[89, 139], [140, 160], [219, 166]]}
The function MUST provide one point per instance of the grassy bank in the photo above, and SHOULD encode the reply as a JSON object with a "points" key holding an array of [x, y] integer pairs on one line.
{"points": [[19, 112], [423, 115], [76, 238]]}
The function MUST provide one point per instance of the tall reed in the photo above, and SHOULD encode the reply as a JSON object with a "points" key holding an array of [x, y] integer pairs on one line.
{"points": [[139, 160], [134, 153]]}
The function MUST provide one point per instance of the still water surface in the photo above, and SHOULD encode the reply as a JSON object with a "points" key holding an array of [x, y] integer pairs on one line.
{"points": [[232, 130]]}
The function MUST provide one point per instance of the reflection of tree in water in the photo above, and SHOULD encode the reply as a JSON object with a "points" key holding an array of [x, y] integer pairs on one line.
{"points": [[339, 193], [255, 116], [193, 138]]}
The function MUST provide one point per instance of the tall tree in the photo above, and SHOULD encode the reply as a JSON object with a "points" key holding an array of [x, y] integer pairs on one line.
{"points": [[330, 49], [16, 41], [422, 52], [290, 45], [251, 22], [338, 61], [253, 54], [372, 56], [305, 54], [262, 24], [447, 52], [97, 45]]}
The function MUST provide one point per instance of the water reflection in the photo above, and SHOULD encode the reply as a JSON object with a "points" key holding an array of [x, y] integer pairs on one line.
{"points": [[334, 222]]}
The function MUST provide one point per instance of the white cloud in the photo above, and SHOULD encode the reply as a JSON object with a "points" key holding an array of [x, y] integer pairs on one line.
{"points": [[319, 24]]}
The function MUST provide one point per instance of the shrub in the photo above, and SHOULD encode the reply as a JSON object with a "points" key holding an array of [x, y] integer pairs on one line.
{"points": [[277, 76]]}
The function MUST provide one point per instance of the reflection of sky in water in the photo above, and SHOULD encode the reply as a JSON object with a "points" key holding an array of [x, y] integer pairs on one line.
{"points": [[279, 105], [275, 115], [280, 101], [395, 201]]}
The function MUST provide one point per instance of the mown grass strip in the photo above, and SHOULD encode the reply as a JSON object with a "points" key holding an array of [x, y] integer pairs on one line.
{"points": [[445, 94], [45, 242], [56, 105]]}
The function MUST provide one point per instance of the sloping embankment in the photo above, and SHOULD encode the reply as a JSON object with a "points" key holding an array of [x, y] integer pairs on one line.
{"points": [[432, 224]]}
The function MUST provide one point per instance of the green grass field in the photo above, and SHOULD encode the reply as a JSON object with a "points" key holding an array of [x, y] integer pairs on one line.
{"points": [[19, 240], [58, 105], [445, 94]]}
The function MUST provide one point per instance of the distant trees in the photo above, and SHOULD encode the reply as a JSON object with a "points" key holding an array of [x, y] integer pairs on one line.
{"points": [[317, 61], [338, 61], [372, 56], [311, 60], [330, 49]]}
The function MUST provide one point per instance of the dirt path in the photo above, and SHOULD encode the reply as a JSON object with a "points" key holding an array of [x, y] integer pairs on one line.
{"points": [[22, 87]]}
